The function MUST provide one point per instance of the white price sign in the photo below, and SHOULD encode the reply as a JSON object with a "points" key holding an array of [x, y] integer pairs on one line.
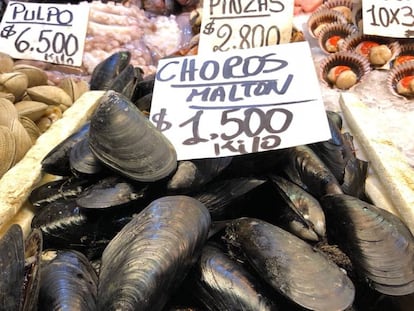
{"points": [[243, 24], [239, 102], [52, 33], [388, 18]]}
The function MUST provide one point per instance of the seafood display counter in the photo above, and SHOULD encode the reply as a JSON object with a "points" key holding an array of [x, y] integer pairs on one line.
{"points": [[380, 124]]}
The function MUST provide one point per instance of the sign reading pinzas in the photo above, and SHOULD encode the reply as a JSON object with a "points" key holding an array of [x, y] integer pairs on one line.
{"points": [[238, 102], [48, 32]]}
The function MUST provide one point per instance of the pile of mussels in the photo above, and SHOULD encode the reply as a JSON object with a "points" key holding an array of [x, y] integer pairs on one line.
{"points": [[128, 227]]}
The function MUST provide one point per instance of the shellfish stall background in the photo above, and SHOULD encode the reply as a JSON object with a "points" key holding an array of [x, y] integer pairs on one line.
{"points": [[183, 234]]}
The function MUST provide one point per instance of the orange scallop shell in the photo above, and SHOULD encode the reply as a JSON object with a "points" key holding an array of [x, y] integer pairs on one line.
{"points": [[358, 64], [325, 16], [351, 43], [333, 30], [396, 74], [406, 53]]}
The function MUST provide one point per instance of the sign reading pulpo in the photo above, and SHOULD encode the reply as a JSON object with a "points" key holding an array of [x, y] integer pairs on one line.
{"points": [[239, 102], [388, 18], [243, 24], [53, 33]]}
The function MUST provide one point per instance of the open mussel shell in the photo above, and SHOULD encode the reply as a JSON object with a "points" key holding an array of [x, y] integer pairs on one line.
{"points": [[149, 258], [122, 138], [290, 265], [320, 18], [333, 35], [396, 77], [219, 283], [358, 64], [57, 162], [82, 160], [378, 243], [111, 191], [11, 268], [68, 281]]}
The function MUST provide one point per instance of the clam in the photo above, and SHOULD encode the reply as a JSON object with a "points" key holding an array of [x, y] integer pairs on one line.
{"points": [[22, 138], [290, 265], [379, 51], [6, 63], [333, 35], [149, 258], [34, 110], [31, 128], [343, 69], [8, 96], [122, 138], [321, 18], [35, 75], [379, 244], [7, 149], [72, 87], [50, 94], [8, 112], [14, 82], [400, 80]]}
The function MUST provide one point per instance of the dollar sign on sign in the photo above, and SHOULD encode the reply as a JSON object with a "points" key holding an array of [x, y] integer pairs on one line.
{"points": [[159, 120]]}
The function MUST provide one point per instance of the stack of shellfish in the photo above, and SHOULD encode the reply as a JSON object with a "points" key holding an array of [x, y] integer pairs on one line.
{"points": [[28, 107], [351, 54]]}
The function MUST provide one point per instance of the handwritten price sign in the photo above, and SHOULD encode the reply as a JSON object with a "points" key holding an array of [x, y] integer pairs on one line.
{"points": [[388, 18], [239, 102], [48, 32], [243, 24]]}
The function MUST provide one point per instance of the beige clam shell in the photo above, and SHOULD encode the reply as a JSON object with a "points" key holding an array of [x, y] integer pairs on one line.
{"points": [[320, 18], [35, 76], [31, 128], [8, 96], [8, 112], [31, 109], [14, 82], [358, 64], [6, 63], [396, 74], [50, 94], [334, 29], [7, 149], [22, 138], [71, 87]]}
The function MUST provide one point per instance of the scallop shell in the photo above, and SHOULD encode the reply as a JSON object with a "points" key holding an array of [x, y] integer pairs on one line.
{"points": [[334, 29], [358, 63], [396, 74], [319, 18], [343, 6], [406, 49], [351, 43]]}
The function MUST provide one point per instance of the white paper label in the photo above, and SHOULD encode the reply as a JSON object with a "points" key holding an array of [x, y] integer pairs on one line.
{"points": [[238, 102], [388, 18], [243, 24], [52, 33]]}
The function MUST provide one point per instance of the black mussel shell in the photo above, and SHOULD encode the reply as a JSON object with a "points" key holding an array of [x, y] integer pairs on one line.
{"points": [[82, 160], [149, 258], [64, 188], [193, 174], [56, 162], [300, 212], [12, 269], [379, 244], [124, 82], [68, 281], [104, 73], [111, 191], [143, 87], [290, 265], [219, 283], [122, 138]]}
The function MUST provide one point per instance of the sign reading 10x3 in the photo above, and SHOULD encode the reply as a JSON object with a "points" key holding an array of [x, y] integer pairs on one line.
{"points": [[46, 32]]}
